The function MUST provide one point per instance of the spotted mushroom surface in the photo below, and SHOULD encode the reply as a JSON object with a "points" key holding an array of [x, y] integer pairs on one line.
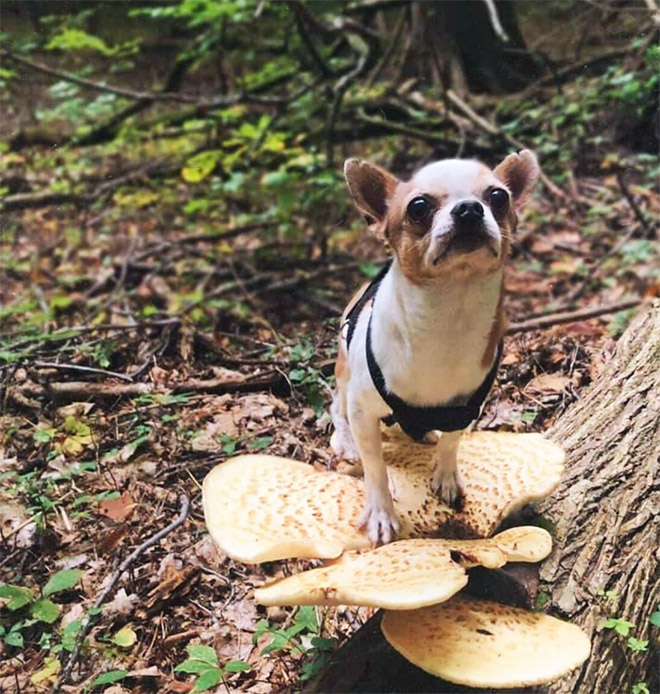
{"points": [[406, 574], [479, 643], [401, 575], [262, 508]]}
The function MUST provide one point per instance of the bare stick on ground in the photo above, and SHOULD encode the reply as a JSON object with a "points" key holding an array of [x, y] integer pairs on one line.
{"points": [[184, 508]]}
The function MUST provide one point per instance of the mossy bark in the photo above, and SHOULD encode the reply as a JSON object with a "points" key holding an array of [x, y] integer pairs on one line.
{"points": [[607, 538]]}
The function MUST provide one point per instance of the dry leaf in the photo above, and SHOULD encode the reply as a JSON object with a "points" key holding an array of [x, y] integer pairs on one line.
{"points": [[118, 509], [549, 383]]}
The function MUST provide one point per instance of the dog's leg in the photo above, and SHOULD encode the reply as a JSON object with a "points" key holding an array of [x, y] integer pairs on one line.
{"points": [[378, 515], [342, 439], [446, 481]]}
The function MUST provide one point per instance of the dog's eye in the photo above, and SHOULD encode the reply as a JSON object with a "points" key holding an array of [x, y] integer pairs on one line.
{"points": [[499, 200], [419, 209]]}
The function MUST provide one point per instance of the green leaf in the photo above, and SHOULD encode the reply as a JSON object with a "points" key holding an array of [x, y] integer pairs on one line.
{"points": [[260, 443], [621, 626], [203, 653], [237, 666], [640, 688], [15, 638], [306, 618], [17, 596], [124, 638], [208, 679], [637, 645], [200, 659], [45, 610], [200, 166], [62, 580], [655, 619], [109, 677], [192, 666], [76, 39]]}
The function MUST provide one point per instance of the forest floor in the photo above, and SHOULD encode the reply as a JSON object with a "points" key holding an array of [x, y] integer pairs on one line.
{"points": [[145, 341]]}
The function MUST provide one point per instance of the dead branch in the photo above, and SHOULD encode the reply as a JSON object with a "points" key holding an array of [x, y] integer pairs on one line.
{"points": [[495, 21], [639, 215], [491, 129], [216, 102], [571, 316], [77, 367], [184, 508], [70, 390]]}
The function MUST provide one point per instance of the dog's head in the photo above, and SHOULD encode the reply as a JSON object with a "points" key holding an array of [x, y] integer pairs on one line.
{"points": [[452, 218]]}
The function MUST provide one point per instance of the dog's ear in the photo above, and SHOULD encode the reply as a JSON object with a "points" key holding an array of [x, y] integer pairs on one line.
{"points": [[519, 172], [371, 188]]}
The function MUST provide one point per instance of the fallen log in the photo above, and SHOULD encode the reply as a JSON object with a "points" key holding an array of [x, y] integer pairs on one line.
{"points": [[606, 557]]}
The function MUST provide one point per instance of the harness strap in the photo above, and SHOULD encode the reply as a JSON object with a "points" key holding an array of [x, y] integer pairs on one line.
{"points": [[417, 421], [368, 294]]}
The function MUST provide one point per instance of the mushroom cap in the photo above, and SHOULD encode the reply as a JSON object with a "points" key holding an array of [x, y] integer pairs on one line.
{"points": [[401, 575], [404, 575], [479, 643], [261, 508]]}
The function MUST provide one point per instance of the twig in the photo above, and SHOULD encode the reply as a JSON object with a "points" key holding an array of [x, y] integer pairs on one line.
{"points": [[184, 508], [86, 389], [648, 232], [76, 367], [495, 21], [216, 102], [494, 130], [572, 316]]}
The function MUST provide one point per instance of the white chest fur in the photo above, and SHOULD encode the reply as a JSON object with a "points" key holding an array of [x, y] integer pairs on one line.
{"points": [[430, 341]]}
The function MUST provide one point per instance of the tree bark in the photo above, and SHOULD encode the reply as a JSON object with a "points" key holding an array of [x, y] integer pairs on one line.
{"points": [[606, 516], [458, 43]]}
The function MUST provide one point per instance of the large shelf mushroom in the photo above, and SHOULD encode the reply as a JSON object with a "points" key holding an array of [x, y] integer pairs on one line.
{"points": [[262, 508]]}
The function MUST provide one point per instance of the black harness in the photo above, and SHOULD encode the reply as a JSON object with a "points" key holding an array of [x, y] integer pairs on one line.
{"points": [[417, 420]]}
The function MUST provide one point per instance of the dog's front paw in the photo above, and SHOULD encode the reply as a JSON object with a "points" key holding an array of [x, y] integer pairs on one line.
{"points": [[447, 485], [343, 445], [380, 523]]}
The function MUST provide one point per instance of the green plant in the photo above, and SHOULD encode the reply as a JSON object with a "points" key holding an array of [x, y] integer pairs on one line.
{"points": [[303, 637], [33, 610], [619, 625], [203, 662]]}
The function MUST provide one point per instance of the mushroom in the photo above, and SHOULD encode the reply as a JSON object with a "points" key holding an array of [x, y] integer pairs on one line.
{"points": [[262, 508], [479, 643], [407, 574]]}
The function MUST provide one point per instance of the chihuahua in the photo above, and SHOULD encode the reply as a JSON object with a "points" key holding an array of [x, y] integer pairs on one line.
{"points": [[420, 344]]}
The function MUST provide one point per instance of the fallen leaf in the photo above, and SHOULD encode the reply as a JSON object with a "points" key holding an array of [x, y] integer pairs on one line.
{"points": [[111, 538], [122, 603], [48, 672], [549, 383], [124, 638], [119, 509]]}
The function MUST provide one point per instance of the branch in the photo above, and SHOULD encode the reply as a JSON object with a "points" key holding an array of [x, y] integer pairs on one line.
{"points": [[494, 130], [217, 102], [571, 316], [184, 508], [495, 21], [648, 231]]}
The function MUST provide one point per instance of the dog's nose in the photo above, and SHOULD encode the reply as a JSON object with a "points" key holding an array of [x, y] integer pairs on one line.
{"points": [[468, 213]]}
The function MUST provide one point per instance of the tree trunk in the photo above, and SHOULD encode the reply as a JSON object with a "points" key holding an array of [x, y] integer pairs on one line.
{"points": [[607, 514], [459, 45], [607, 538]]}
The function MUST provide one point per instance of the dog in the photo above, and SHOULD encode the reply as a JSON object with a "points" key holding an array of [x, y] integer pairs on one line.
{"points": [[420, 344]]}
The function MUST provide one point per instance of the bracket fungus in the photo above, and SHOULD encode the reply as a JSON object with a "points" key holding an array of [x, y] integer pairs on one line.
{"points": [[406, 574], [262, 508], [479, 643]]}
